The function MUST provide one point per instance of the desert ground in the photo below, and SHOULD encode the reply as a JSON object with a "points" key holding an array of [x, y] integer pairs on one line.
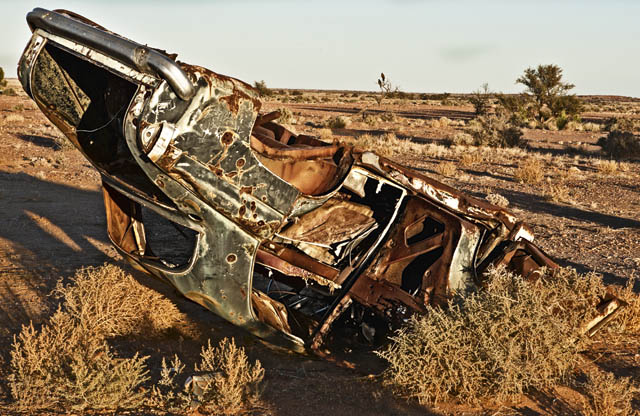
{"points": [[583, 208]]}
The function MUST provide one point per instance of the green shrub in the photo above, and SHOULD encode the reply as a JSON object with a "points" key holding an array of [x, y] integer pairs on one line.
{"points": [[623, 124], [508, 338], [549, 92], [620, 144], [285, 115]]}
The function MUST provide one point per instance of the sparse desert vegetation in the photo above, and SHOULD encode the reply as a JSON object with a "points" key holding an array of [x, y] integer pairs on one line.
{"points": [[115, 344]]}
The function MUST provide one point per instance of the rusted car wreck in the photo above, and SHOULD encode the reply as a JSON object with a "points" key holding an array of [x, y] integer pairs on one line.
{"points": [[281, 234]]}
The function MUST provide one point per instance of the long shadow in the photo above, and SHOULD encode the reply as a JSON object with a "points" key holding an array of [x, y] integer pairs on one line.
{"points": [[537, 203], [41, 141], [47, 231]]}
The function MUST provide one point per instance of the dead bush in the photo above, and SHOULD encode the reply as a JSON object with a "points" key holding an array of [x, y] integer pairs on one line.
{"points": [[628, 320], [607, 395], [64, 366], [109, 302], [234, 387], [620, 144], [530, 171], [168, 392], [508, 338], [494, 131]]}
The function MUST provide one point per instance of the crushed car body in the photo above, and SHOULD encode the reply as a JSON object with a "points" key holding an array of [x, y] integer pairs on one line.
{"points": [[281, 234]]}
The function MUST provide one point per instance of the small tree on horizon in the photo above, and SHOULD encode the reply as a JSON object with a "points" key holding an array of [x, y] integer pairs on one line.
{"points": [[549, 92]]}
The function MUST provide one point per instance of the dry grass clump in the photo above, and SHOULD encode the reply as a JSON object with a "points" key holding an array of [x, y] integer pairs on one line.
{"points": [[607, 395], [109, 302], [471, 158], [607, 167], [530, 171], [385, 145], [234, 387], [64, 366], [446, 168], [67, 363], [506, 339]]}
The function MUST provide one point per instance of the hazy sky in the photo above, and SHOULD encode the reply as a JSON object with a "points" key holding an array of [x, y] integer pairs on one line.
{"points": [[422, 46]]}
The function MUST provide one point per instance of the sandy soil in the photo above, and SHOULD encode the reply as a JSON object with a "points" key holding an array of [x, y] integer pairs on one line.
{"points": [[52, 223]]}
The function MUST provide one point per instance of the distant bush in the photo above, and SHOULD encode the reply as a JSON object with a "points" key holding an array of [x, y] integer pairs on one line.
{"points": [[494, 131], [297, 92], [262, 88], [509, 338], [3, 82], [620, 144], [549, 92], [338, 122], [623, 124], [517, 108], [481, 99]]}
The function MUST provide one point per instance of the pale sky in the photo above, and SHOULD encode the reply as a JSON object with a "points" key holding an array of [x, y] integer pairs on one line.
{"points": [[421, 45]]}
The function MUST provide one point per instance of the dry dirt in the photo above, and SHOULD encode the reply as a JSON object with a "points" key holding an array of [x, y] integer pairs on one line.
{"points": [[52, 223]]}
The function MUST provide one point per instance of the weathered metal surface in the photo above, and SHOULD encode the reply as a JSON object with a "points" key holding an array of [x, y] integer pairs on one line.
{"points": [[292, 235]]}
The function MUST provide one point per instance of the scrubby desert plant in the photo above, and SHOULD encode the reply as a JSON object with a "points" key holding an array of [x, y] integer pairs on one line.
{"points": [[67, 363], [620, 144], [62, 365], [623, 124], [510, 337], [494, 131], [386, 88], [338, 122], [109, 302], [549, 92], [262, 88], [481, 99], [530, 171], [459, 138], [234, 383], [3, 82], [607, 395]]}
